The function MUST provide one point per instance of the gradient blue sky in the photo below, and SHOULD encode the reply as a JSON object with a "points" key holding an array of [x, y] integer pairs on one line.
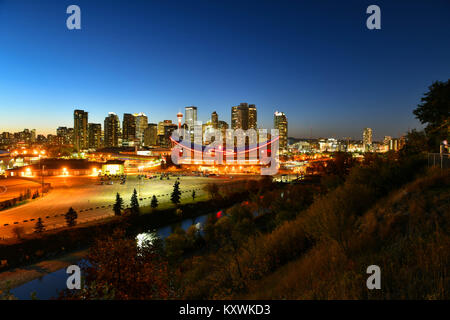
{"points": [[314, 60]]}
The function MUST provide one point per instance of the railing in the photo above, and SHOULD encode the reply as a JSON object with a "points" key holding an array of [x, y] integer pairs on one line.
{"points": [[441, 160]]}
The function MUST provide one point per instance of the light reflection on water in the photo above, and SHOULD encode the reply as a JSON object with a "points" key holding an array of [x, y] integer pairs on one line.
{"points": [[51, 284]]}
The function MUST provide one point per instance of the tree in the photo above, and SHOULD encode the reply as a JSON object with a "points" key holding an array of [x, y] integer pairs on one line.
{"points": [[118, 269], [18, 232], [416, 142], [213, 190], [71, 217], [434, 111], [175, 244], [134, 203], [176, 193], [118, 206], [39, 226], [193, 195], [154, 203]]}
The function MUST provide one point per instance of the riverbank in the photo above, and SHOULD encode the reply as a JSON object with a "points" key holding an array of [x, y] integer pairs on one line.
{"points": [[21, 275]]}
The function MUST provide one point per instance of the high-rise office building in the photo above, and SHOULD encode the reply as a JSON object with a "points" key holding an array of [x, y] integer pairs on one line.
{"points": [[112, 130], [95, 135], [190, 116], [161, 126], [151, 135], [234, 117], [80, 130], [252, 117], [164, 139], [141, 125], [244, 116], [215, 120], [280, 123], [128, 128], [367, 139]]}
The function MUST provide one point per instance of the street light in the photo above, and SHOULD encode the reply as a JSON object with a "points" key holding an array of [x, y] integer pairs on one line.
{"points": [[42, 173]]}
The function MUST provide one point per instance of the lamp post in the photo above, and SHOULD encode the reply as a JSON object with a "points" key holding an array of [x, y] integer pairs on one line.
{"points": [[42, 173]]}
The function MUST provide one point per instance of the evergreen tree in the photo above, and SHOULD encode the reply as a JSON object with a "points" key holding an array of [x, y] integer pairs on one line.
{"points": [[71, 217], [176, 193], [39, 226], [118, 206], [134, 203], [154, 203]]}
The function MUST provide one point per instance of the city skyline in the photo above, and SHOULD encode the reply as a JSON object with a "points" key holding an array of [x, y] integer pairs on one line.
{"points": [[122, 126], [326, 74]]}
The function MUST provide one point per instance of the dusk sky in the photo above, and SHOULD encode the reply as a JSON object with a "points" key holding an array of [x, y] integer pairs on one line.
{"points": [[314, 60]]}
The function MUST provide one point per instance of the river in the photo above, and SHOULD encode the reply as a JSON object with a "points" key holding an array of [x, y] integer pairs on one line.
{"points": [[51, 284]]}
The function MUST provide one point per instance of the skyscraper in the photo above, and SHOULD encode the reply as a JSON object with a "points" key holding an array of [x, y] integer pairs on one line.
{"points": [[161, 126], [151, 135], [280, 123], [80, 129], [190, 116], [367, 139], [128, 128], [112, 130], [95, 135], [164, 140], [243, 116], [252, 117], [215, 120], [141, 125], [234, 117]]}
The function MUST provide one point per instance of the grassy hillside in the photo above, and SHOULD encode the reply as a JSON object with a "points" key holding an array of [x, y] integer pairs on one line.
{"points": [[406, 233]]}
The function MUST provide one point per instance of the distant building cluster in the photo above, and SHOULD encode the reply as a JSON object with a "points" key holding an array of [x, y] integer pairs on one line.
{"points": [[367, 144], [136, 131], [25, 136]]}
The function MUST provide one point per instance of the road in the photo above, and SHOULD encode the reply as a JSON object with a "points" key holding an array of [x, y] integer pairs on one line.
{"points": [[91, 200]]}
